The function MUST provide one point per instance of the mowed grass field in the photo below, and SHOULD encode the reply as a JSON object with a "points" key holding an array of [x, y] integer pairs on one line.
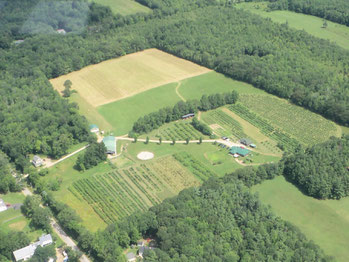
{"points": [[127, 76], [326, 222], [313, 25], [124, 7]]}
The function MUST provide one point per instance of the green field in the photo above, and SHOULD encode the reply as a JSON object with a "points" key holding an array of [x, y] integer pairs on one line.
{"points": [[124, 7], [313, 25], [326, 222], [123, 113], [14, 220]]}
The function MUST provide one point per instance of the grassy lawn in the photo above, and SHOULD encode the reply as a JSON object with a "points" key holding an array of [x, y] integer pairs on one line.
{"points": [[313, 25], [326, 222], [14, 220], [124, 7], [123, 113], [68, 174]]}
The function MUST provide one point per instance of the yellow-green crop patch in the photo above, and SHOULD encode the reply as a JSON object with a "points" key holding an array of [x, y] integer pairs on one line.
{"points": [[120, 193]]}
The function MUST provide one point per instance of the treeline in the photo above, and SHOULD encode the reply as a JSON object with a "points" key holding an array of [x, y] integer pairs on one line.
{"points": [[39, 216], [285, 62], [154, 120], [201, 127], [7, 181], [321, 171], [336, 11], [230, 225], [93, 155]]}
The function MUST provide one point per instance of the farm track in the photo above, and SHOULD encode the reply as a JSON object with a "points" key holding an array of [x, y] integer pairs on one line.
{"points": [[177, 91]]}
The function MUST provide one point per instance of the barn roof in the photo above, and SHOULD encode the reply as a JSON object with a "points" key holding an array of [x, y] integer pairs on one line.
{"points": [[239, 150], [93, 126], [110, 144]]}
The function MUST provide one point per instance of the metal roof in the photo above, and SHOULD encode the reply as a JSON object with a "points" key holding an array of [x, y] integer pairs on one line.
{"points": [[110, 144], [93, 126], [239, 150]]}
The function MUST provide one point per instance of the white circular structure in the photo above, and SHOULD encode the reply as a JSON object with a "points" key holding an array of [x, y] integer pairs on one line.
{"points": [[145, 155]]}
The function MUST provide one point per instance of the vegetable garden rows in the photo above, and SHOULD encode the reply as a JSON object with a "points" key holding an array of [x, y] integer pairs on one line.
{"points": [[226, 122], [265, 127], [179, 131], [302, 123], [120, 193]]}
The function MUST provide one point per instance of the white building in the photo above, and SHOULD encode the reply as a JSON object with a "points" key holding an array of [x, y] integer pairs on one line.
{"points": [[37, 161], [27, 252], [3, 206]]}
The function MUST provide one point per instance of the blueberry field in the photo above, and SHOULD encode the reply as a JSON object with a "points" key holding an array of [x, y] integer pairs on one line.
{"points": [[120, 193]]}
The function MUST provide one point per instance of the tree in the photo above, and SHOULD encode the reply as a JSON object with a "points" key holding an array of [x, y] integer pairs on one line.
{"points": [[200, 140], [187, 141], [135, 139], [147, 140], [42, 254], [93, 155], [41, 219], [67, 86], [173, 141], [160, 140], [324, 25]]}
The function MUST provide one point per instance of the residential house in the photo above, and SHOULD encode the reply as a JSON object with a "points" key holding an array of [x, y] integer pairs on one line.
{"points": [[236, 150], [27, 252], [94, 129], [37, 161]]}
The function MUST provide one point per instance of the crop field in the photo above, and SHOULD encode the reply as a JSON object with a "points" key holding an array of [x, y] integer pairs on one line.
{"points": [[124, 7], [313, 25], [326, 222], [129, 75], [300, 126], [265, 127], [120, 193], [179, 130], [228, 126], [123, 113]]}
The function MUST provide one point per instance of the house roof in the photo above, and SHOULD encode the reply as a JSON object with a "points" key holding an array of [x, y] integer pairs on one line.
{"points": [[24, 252], [188, 115], [45, 239], [239, 150], [110, 143], [93, 126], [36, 158]]}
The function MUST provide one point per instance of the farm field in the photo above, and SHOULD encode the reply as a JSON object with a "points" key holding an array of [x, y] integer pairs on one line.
{"points": [[128, 75], [120, 193], [124, 7], [123, 113], [326, 222], [313, 25], [178, 130]]}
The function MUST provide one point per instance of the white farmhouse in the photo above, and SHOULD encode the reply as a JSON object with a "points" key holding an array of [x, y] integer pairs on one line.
{"points": [[27, 252]]}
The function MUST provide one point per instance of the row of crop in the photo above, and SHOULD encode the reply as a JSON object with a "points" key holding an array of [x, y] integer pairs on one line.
{"points": [[180, 131], [266, 128], [300, 125], [225, 121], [195, 166], [150, 177]]}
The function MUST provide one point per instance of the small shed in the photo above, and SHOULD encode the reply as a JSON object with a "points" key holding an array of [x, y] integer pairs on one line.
{"points": [[3, 206], [37, 161], [94, 128], [239, 150], [18, 42], [253, 145], [110, 144], [188, 116], [131, 257], [245, 141]]}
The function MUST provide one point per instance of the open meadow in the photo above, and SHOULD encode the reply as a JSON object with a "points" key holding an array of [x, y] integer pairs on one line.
{"points": [[124, 7], [326, 222], [126, 76], [313, 25]]}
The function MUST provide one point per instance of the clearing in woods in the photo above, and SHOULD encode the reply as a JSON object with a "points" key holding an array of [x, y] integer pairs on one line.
{"points": [[124, 7], [326, 222], [311, 24], [129, 75]]}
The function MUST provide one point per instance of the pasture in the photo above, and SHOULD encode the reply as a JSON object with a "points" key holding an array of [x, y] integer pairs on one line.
{"points": [[326, 222], [128, 75], [334, 32], [124, 7]]}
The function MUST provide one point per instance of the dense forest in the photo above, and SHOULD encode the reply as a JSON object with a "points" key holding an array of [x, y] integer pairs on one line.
{"points": [[336, 11], [321, 171]]}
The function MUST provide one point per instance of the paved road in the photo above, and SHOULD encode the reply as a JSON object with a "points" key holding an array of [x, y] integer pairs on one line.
{"points": [[60, 232]]}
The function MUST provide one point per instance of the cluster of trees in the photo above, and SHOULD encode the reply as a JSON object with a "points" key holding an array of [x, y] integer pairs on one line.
{"points": [[201, 127], [321, 171], [94, 154], [7, 181], [40, 217], [10, 241], [336, 11], [43, 254], [154, 120]]}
